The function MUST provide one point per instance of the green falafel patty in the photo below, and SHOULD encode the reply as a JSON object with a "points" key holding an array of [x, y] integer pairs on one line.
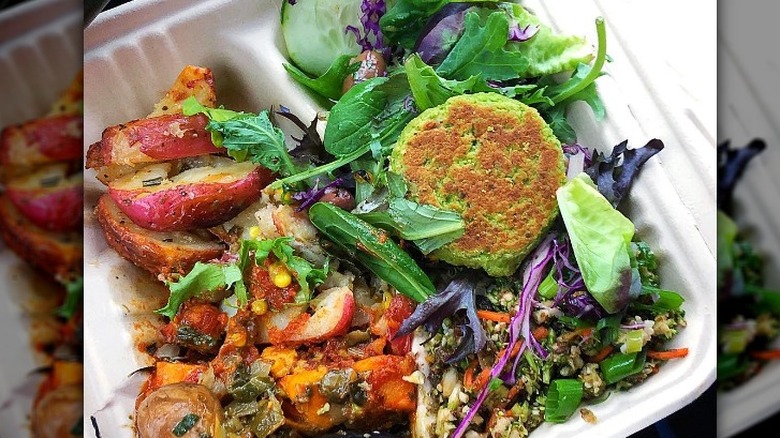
{"points": [[494, 161]]}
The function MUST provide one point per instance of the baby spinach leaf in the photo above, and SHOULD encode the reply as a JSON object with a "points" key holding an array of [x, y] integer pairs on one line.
{"points": [[330, 84], [350, 121]]}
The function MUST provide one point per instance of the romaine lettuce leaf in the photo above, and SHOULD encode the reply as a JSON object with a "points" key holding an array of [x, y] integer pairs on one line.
{"points": [[601, 238]]}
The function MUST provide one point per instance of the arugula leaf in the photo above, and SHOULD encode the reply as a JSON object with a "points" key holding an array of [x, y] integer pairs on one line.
{"points": [[246, 136], [305, 273], [430, 89], [254, 137], [601, 238], [204, 277], [368, 118], [74, 291], [330, 84]]}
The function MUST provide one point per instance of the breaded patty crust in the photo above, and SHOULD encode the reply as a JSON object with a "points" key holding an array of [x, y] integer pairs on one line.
{"points": [[493, 160]]}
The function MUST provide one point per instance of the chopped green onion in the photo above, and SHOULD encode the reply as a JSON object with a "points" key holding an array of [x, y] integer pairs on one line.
{"points": [[634, 340], [563, 399], [572, 322], [186, 423], [608, 329], [667, 300], [621, 365], [730, 365], [495, 384], [549, 287]]}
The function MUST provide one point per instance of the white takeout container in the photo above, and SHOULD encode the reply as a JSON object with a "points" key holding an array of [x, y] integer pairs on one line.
{"points": [[749, 107], [40, 47], [134, 52]]}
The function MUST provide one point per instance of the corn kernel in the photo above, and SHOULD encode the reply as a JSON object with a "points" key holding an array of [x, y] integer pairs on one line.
{"points": [[386, 298], [238, 339], [254, 232], [282, 278], [259, 307]]}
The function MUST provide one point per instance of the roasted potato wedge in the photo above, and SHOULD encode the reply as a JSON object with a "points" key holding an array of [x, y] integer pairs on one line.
{"points": [[58, 254], [151, 140], [162, 254], [192, 81], [164, 134], [41, 141], [71, 102], [49, 198], [200, 197]]}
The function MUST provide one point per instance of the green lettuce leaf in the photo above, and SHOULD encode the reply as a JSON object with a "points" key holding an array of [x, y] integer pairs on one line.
{"points": [[484, 49], [304, 272], [204, 277], [601, 238], [428, 88]]}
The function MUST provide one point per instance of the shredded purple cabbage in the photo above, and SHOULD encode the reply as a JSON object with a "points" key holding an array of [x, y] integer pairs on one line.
{"points": [[518, 34], [533, 275], [572, 298], [371, 12], [309, 197]]}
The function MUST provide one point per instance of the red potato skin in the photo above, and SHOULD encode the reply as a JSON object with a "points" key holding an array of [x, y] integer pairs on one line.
{"points": [[59, 211], [191, 206], [42, 141], [58, 254], [151, 140], [147, 251]]}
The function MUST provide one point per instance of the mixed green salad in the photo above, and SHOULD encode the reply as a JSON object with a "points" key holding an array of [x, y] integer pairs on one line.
{"points": [[498, 351], [747, 311]]}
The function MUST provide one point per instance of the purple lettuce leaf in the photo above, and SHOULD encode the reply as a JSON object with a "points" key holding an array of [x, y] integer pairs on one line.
{"points": [[441, 32], [614, 174], [731, 166], [460, 294]]}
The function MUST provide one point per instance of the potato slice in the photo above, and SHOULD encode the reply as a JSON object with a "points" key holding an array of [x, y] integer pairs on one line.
{"points": [[200, 197], [58, 254], [49, 197], [192, 81], [162, 254], [71, 102]]}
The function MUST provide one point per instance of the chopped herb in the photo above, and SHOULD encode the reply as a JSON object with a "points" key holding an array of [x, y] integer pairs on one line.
{"points": [[186, 423]]}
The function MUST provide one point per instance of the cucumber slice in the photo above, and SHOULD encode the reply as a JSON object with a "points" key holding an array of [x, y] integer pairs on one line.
{"points": [[315, 32]]}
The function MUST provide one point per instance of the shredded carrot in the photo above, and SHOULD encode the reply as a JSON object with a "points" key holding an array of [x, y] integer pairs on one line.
{"points": [[482, 379], [494, 316], [670, 354], [468, 376], [515, 349], [602, 354], [585, 332], [541, 332], [766, 354]]}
